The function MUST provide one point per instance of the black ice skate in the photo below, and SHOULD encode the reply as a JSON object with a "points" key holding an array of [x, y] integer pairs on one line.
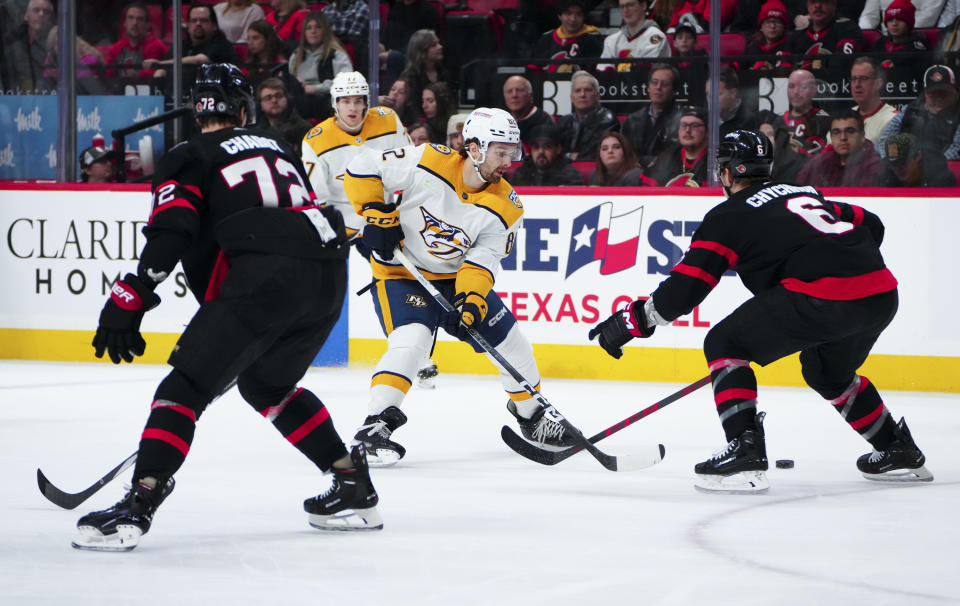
{"points": [[120, 527], [351, 501], [740, 468], [375, 436], [427, 376], [542, 430], [901, 461]]}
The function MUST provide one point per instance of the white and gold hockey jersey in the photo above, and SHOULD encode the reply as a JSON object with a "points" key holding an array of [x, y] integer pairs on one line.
{"points": [[446, 224], [326, 150]]}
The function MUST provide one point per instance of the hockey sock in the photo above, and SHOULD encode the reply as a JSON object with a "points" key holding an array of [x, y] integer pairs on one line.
{"points": [[306, 423], [516, 349], [168, 434], [407, 347], [735, 393], [862, 408]]}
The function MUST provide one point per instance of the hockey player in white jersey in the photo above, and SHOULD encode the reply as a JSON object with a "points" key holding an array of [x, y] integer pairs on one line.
{"points": [[330, 145], [457, 218]]}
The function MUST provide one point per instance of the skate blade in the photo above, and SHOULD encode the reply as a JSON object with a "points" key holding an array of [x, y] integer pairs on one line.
{"points": [[89, 538], [382, 457], [348, 520], [920, 474], [744, 482]]}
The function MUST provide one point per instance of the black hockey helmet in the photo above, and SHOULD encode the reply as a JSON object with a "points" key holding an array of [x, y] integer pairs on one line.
{"points": [[746, 154], [221, 89]]}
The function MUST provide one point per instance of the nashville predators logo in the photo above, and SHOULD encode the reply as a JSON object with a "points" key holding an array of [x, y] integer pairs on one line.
{"points": [[416, 300], [443, 240]]}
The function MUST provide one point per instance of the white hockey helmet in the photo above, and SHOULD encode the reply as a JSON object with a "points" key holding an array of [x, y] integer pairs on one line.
{"points": [[349, 84], [487, 125]]}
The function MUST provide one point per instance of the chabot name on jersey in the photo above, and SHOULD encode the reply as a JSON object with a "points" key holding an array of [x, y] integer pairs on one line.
{"points": [[556, 307], [241, 143]]}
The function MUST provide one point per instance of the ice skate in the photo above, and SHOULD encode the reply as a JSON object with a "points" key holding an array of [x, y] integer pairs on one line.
{"points": [[375, 436], [542, 429], [901, 461], [427, 376], [351, 501], [120, 527], [740, 468]]}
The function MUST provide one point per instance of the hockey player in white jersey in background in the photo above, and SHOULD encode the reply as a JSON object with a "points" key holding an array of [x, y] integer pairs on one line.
{"points": [[457, 218]]}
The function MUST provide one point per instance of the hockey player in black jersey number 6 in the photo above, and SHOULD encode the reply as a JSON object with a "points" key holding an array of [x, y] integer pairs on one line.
{"points": [[268, 268], [820, 287]]}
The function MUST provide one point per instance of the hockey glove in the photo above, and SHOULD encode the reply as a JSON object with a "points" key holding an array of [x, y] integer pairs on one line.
{"points": [[381, 228], [618, 329], [469, 309], [119, 329]]}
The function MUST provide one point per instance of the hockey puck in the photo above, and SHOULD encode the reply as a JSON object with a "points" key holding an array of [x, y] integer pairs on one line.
{"points": [[784, 463]]}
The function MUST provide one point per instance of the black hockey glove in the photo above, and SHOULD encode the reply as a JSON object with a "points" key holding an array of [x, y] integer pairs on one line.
{"points": [[119, 329], [469, 310], [617, 330], [381, 228]]}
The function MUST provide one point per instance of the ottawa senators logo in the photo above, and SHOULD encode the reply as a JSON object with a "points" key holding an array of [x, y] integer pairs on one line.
{"points": [[443, 240], [683, 180]]}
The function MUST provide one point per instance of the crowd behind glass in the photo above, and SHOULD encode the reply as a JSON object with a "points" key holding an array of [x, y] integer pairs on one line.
{"points": [[870, 85]]}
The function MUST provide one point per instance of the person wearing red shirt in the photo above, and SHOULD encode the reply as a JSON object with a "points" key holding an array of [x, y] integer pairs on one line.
{"points": [[137, 44]]}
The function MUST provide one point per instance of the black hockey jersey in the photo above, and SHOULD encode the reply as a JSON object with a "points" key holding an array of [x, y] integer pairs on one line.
{"points": [[553, 44], [841, 38], [232, 189], [808, 133], [778, 234]]}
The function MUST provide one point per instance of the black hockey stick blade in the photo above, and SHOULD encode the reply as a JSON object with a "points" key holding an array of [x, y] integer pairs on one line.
{"points": [[69, 500], [647, 457]]}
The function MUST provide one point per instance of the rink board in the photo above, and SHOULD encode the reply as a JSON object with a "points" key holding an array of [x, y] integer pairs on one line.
{"points": [[63, 246]]}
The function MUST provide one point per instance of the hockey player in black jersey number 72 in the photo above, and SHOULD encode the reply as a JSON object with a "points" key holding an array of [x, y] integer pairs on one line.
{"points": [[268, 267], [820, 287]]}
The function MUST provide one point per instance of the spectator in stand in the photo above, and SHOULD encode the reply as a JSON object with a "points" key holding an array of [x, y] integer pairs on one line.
{"points": [[913, 168], [136, 44], [276, 114], [933, 117], [787, 163], [350, 20], [851, 160], [901, 42], [734, 113], [696, 13], [771, 39], [404, 18], [318, 58], [89, 68], [617, 164], [26, 49], [398, 99], [287, 18], [866, 82], [264, 51], [96, 164], [455, 131], [637, 37], [807, 124], [205, 44], [424, 63], [437, 105], [927, 13], [518, 99], [686, 162], [235, 17], [691, 64], [545, 164], [418, 134], [824, 35], [572, 40], [582, 129], [651, 129]]}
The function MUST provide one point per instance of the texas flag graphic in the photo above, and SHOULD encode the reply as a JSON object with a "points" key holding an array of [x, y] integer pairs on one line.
{"points": [[599, 235]]}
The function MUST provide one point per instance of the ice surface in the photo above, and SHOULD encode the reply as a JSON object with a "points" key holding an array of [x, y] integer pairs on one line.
{"points": [[467, 521]]}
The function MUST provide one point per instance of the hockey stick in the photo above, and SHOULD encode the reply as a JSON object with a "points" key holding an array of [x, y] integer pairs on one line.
{"points": [[608, 461], [71, 500], [547, 457]]}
